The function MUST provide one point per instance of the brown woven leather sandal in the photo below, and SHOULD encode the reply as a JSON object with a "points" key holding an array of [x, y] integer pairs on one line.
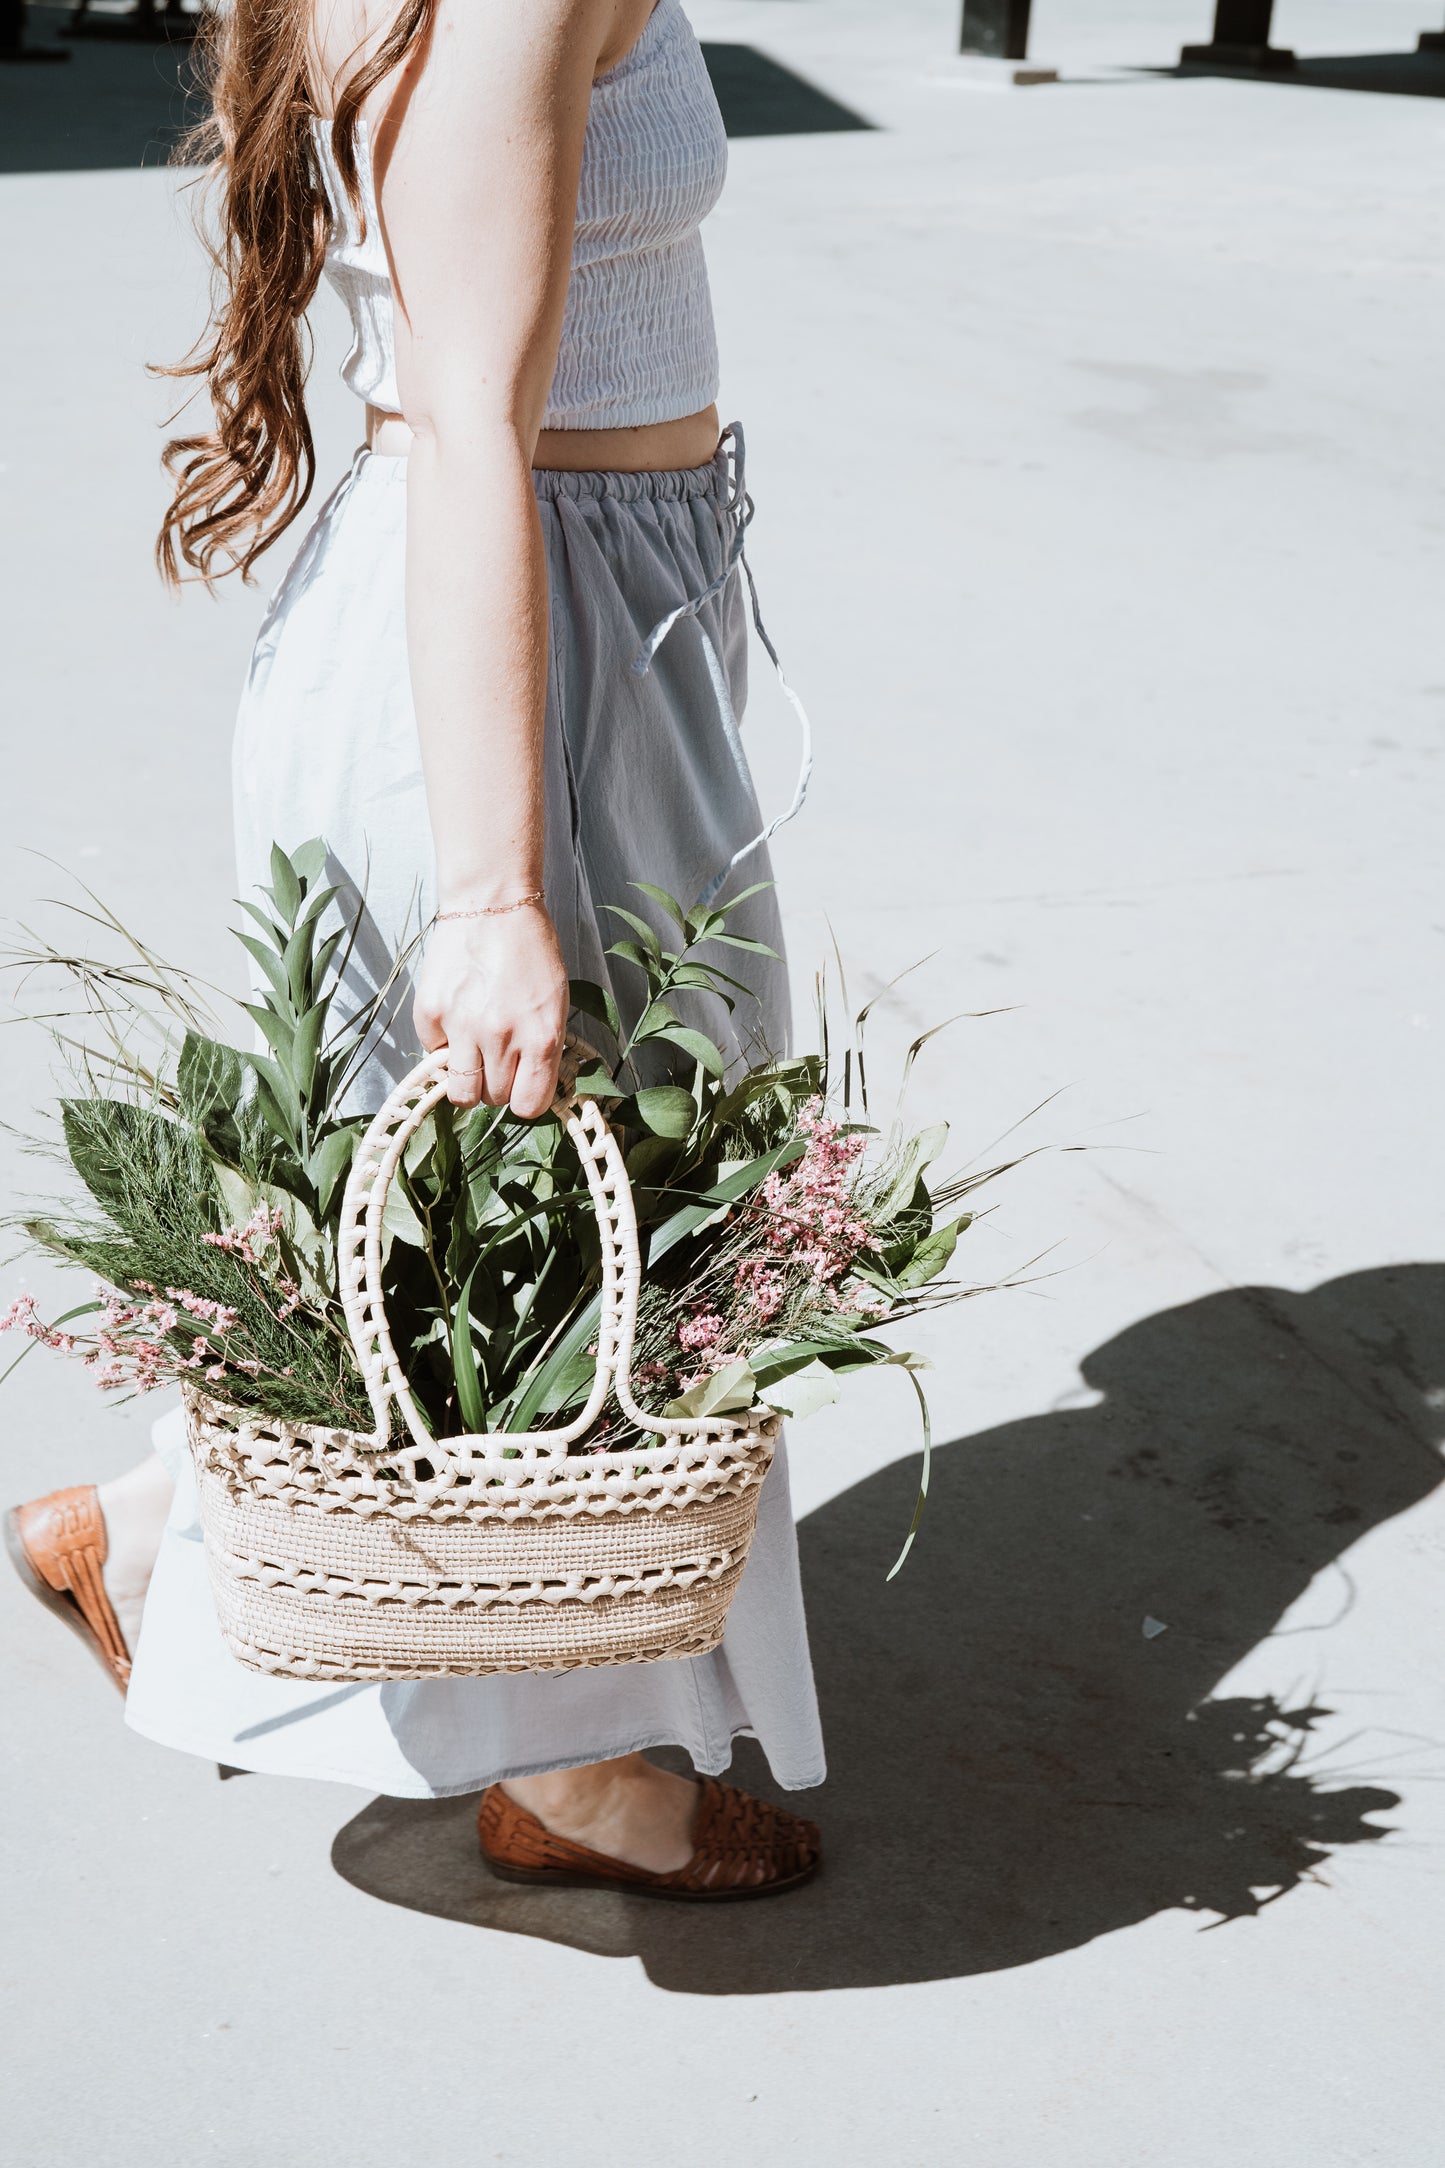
{"points": [[742, 1847], [58, 1546]]}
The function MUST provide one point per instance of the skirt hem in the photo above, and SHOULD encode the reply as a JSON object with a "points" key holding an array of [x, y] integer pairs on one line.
{"points": [[708, 1763]]}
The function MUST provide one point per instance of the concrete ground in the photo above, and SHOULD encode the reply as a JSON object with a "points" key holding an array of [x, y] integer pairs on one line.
{"points": [[1092, 429]]}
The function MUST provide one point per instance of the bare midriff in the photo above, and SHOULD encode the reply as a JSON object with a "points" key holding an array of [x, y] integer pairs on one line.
{"points": [[652, 448]]}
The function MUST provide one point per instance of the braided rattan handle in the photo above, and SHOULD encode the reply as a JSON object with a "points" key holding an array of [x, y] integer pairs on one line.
{"points": [[373, 1169]]}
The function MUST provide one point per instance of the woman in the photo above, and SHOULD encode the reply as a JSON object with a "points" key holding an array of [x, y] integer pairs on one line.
{"points": [[501, 679]]}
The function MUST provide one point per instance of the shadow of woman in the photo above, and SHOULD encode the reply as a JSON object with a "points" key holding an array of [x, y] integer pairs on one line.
{"points": [[1017, 1766]]}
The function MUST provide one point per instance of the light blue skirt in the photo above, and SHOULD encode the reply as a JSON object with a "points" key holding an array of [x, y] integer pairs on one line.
{"points": [[646, 779]]}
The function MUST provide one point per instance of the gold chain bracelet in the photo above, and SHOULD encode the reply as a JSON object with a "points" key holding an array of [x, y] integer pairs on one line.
{"points": [[496, 910]]}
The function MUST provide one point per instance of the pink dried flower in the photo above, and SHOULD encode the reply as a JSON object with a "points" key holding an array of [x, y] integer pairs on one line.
{"points": [[223, 1318], [811, 1218], [701, 1332], [21, 1317], [247, 1242]]}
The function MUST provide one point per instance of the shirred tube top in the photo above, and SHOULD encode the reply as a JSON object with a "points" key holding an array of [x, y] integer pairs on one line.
{"points": [[638, 343]]}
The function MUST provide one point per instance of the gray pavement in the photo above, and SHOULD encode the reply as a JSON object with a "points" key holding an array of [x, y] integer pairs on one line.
{"points": [[1091, 428]]}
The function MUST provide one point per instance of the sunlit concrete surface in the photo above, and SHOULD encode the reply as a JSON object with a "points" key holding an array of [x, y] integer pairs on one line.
{"points": [[1092, 429]]}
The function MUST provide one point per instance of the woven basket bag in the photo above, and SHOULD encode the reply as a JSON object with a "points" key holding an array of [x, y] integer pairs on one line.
{"points": [[503, 1552]]}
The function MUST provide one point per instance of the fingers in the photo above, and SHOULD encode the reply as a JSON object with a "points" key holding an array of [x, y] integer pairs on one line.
{"points": [[503, 1074], [430, 1029], [534, 1085], [500, 1059], [466, 1074]]}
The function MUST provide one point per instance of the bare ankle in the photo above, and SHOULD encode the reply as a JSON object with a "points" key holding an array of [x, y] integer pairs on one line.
{"points": [[566, 1794]]}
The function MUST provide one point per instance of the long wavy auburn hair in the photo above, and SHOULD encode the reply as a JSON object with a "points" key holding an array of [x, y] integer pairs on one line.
{"points": [[241, 483]]}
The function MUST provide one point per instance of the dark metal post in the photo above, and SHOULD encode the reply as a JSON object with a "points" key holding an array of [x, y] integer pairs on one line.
{"points": [[12, 36], [1241, 39], [1432, 41], [999, 28]]}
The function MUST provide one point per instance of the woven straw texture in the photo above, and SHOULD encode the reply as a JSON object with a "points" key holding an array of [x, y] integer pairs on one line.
{"points": [[338, 1556]]}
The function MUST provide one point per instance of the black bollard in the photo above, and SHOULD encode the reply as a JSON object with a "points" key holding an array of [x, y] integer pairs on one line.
{"points": [[12, 36], [1241, 39], [997, 28]]}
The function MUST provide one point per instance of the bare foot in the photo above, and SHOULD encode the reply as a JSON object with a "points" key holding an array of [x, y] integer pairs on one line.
{"points": [[626, 1809], [135, 1506]]}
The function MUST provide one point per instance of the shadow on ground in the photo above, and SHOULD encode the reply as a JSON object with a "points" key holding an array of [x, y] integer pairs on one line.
{"points": [[126, 104], [1403, 75], [1016, 1767]]}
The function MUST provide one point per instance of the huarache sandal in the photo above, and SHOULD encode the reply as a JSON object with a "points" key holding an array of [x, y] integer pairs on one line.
{"points": [[58, 1547], [742, 1847]]}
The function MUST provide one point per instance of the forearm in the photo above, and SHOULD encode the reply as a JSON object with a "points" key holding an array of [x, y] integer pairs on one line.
{"points": [[476, 613]]}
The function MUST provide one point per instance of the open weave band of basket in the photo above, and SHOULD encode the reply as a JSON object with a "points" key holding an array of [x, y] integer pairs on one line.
{"points": [[338, 1555]]}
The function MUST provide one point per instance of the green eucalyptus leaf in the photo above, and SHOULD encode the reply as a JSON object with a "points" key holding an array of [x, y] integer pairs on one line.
{"points": [[744, 895], [298, 964], [316, 903], [275, 934], [239, 1198], [650, 1159], [304, 1049], [632, 954], [400, 1220], [324, 955], [771, 1364], [597, 1083], [727, 1392], [669, 904], [209, 1074], [706, 981], [666, 1109], [932, 1253], [802, 1392], [270, 963], [639, 926], [590, 999], [279, 1033], [309, 859], [737, 941], [285, 888], [695, 1043], [651, 1021], [330, 1163], [919, 1152]]}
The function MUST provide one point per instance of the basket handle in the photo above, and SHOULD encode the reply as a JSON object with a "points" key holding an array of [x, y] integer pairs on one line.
{"points": [[373, 1170]]}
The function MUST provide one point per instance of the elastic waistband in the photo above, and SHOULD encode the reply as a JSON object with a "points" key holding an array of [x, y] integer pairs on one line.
{"points": [[671, 485], [668, 486]]}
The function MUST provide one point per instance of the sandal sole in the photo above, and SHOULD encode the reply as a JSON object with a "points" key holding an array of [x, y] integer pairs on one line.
{"points": [[542, 1877]]}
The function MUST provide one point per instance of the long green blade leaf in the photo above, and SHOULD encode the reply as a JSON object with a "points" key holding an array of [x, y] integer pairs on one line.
{"points": [[922, 1480], [464, 1359]]}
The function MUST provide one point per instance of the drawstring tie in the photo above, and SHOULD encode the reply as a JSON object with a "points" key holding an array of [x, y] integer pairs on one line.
{"points": [[741, 506]]}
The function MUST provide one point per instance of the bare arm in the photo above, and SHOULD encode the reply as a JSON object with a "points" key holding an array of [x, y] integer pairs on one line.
{"points": [[478, 157]]}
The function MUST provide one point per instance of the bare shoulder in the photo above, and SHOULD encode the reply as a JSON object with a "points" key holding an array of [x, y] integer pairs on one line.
{"points": [[346, 34]]}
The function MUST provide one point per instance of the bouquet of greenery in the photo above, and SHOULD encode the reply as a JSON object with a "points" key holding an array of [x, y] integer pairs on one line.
{"points": [[781, 1231]]}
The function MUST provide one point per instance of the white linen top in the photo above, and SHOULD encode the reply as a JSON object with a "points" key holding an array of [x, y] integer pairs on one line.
{"points": [[638, 343]]}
